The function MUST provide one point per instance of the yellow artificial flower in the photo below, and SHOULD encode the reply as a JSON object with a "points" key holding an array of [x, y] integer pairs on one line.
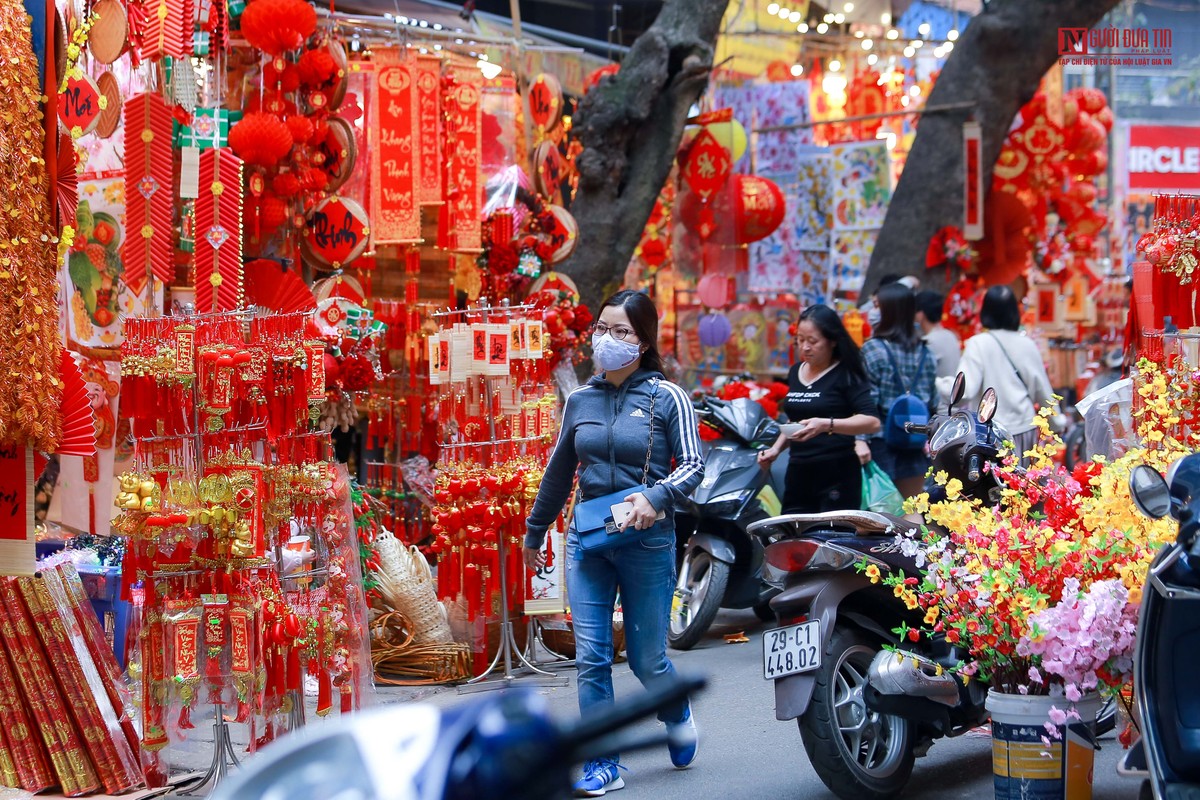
{"points": [[872, 572]]}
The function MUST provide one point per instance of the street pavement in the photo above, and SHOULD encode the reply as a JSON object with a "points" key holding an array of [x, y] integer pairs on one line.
{"points": [[746, 753]]}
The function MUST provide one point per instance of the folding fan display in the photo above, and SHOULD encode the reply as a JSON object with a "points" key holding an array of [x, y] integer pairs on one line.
{"points": [[346, 286], [79, 420], [149, 196], [219, 232], [168, 30], [270, 285], [67, 185]]}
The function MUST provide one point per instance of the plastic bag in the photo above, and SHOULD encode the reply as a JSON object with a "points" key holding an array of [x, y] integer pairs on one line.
{"points": [[1108, 420], [879, 493]]}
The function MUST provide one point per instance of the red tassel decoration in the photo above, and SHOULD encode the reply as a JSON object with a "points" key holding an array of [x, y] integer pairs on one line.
{"points": [[148, 249], [219, 232]]}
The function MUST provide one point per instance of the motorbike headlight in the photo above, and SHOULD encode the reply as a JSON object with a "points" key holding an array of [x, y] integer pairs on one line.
{"points": [[955, 428], [729, 502], [1001, 433]]}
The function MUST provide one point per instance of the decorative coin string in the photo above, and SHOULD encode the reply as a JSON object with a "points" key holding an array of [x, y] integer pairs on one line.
{"points": [[499, 414], [240, 528]]}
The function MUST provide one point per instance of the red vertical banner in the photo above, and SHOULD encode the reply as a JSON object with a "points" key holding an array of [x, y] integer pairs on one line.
{"points": [[395, 212], [464, 189], [429, 125], [16, 510], [972, 181]]}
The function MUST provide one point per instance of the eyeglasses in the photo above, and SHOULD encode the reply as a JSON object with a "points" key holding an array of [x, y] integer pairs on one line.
{"points": [[619, 332]]}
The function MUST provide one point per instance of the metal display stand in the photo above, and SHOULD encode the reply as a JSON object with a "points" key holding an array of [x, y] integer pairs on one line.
{"points": [[516, 664], [224, 758]]}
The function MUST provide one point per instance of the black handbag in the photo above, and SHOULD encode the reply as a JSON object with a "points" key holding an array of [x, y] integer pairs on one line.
{"points": [[593, 520]]}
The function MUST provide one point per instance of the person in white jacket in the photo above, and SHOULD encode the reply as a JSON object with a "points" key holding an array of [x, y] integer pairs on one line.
{"points": [[1005, 359]]}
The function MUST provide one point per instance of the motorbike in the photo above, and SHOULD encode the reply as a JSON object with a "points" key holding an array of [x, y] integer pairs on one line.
{"points": [[1167, 755], [721, 565], [503, 746], [864, 719]]}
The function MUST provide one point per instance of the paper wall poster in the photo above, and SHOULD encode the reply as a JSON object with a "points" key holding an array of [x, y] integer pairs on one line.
{"points": [[780, 104], [757, 333], [850, 254], [813, 202], [862, 185], [395, 211], [784, 261], [546, 592], [741, 100], [93, 273]]}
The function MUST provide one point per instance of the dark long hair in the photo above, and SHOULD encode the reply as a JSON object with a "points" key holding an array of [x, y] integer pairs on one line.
{"points": [[897, 316], [643, 318], [830, 325], [999, 310]]}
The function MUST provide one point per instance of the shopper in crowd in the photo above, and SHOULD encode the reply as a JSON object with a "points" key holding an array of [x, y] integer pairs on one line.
{"points": [[829, 399], [898, 362], [870, 309], [944, 344], [1005, 359], [608, 426]]}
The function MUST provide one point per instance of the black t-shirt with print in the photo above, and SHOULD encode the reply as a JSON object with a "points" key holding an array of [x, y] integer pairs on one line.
{"points": [[836, 394]]}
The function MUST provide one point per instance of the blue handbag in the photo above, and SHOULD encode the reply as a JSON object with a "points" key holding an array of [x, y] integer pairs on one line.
{"points": [[593, 519]]}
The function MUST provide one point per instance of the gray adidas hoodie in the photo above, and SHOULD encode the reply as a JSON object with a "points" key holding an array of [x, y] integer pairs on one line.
{"points": [[604, 433]]}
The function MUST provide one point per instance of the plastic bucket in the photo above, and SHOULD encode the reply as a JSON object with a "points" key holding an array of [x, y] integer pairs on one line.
{"points": [[1026, 768]]}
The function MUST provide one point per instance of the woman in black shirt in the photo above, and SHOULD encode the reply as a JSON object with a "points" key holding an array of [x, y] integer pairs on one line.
{"points": [[829, 401]]}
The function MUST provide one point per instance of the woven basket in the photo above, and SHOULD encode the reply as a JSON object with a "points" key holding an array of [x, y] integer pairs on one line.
{"points": [[407, 585], [399, 660]]}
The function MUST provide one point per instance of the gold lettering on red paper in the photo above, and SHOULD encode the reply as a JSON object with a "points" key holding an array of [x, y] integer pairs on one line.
{"points": [[239, 627], [463, 184], [429, 127], [395, 210]]}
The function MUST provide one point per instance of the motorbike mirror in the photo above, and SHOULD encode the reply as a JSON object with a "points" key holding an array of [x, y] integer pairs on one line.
{"points": [[1150, 492], [957, 392], [987, 406]]}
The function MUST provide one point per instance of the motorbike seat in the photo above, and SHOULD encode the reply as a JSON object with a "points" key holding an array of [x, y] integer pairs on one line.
{"points": [[865, 523]]}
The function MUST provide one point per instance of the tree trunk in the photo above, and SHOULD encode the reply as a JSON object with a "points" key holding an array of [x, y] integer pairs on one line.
{"points": [[997, 64], [630, 126]]}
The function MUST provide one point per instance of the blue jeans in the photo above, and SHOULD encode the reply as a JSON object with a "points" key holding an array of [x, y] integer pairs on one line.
{"points": [[644, 571]]}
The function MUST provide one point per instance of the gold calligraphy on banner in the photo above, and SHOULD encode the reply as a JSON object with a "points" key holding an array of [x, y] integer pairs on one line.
{"points": [[464, 187], [429, 126], [395, 209]]}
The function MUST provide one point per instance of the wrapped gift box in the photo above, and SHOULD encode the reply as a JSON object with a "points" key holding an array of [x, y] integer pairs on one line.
{"points": [[210, 126]]}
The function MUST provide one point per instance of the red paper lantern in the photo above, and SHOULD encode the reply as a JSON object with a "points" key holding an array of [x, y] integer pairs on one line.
{"points": [[260, 139], [715, 291], [277, 26], [758, 207]]}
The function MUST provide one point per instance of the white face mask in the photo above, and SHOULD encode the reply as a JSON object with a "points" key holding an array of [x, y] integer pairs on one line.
{"points": [[610, 354]]}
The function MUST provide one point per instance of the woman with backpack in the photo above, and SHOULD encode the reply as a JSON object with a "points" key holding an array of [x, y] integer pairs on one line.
{"points": [[829, 402], [1005, 359], [902, 370]]}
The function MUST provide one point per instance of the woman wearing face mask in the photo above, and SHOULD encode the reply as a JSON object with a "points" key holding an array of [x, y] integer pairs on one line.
{"points": [[605, 434], [829, 396]]}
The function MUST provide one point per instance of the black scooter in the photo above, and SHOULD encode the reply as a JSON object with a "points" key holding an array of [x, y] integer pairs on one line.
{"points": [[862, 728], [1168, 640], [721, 565]]}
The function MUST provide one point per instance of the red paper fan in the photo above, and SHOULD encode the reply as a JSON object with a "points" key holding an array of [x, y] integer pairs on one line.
{"points": [[271, 285], [67, 185], [79, 420], [219, 232], [149, 192]]}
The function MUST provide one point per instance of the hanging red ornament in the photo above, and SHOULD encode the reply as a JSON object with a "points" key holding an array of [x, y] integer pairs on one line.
{"points": [[260, 139], [285, 184], [758, 207], [300, 127], [279, 75], [277, 26], [316, 68]]}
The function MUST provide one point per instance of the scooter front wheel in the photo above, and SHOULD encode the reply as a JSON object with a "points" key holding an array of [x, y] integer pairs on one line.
{"points": [[699, 591], [858, 753]]}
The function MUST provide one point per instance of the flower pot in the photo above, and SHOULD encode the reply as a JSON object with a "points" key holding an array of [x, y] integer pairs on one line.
{"points": [[1023, 766]]}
